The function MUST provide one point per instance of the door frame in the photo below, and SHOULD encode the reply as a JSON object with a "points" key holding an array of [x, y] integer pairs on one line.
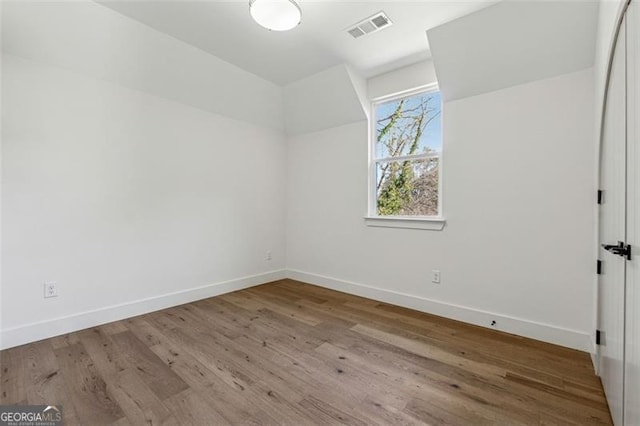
{"points": [[622, 10]]}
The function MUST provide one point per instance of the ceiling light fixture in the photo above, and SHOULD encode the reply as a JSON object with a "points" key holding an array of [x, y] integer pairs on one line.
{"points": [[276, 15]]}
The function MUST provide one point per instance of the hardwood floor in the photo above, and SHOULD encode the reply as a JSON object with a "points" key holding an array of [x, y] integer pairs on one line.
{"points": [[292, 353]]}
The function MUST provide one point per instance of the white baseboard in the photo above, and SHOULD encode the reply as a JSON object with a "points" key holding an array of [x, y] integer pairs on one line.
{"points": [[545, 332], [522, 327], [41, 330], [594, 361]]}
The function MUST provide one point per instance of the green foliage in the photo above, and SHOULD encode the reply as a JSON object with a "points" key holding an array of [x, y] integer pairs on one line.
{"points": [[396, 192]]}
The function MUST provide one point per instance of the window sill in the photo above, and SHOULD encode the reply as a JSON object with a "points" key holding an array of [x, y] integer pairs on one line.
{"points": [[406, 222]]}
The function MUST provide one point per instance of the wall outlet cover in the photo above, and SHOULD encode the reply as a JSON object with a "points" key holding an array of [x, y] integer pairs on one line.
{"points": [[50, 289]]}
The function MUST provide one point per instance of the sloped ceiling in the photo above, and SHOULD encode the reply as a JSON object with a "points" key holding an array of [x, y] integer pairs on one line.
{"points": [[511, 43], [85, 37], [225, 29]]}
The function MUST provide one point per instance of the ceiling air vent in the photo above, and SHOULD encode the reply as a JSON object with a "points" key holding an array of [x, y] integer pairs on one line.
{"points": [[370, 25]]}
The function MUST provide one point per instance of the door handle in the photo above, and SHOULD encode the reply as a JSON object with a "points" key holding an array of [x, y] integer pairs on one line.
{"points": [[621, 249]]}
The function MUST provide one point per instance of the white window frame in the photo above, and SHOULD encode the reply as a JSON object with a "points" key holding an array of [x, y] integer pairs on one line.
{"points": [[410, 222]]}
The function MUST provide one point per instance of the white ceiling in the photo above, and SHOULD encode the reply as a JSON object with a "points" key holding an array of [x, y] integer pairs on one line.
{"points": [[226, 30]]}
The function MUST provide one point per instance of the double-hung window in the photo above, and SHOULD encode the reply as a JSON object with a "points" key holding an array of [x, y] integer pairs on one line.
{"points": [[406, 153]]}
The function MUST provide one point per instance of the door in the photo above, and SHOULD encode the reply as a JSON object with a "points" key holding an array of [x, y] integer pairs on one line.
{"points": [[632, 306], [611, 283]]}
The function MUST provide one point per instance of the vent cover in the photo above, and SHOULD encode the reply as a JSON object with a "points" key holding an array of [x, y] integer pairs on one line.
{"points": [[370, 25]]}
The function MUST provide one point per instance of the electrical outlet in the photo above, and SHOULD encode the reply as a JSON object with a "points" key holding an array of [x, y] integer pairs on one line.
{"points": [[267, 256], [50, 289], [435, 278]]}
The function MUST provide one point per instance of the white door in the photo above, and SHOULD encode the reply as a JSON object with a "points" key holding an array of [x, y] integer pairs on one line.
{"points": [[611, 283], [632, 308]]}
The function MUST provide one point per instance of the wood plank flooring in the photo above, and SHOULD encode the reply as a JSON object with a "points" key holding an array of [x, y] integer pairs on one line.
{"points": [[295, 354]]}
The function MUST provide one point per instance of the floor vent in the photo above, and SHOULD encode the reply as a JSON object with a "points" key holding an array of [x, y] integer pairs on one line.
{"points": [[374, 23]]}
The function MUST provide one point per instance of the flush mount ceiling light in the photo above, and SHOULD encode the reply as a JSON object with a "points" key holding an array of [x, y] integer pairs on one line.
{"points": [[276, 15]]}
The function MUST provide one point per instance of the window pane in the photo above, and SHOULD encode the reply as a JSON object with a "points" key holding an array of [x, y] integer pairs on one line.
{"points": [[409, 126], [407, 188]]}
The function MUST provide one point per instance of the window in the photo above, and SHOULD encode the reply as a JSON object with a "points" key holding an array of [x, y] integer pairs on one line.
{"points": [[406, 150]]}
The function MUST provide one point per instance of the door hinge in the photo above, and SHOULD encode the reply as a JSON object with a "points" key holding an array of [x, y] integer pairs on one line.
{"points": [[621, 249], [599, 267], [599, 337], [600, 199]]}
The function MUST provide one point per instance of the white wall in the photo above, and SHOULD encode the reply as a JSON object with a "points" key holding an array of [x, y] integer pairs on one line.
{"points": [[518, 196], [326, 99], [1, 302], [131, 201], [116, 164], [403, 79]]}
